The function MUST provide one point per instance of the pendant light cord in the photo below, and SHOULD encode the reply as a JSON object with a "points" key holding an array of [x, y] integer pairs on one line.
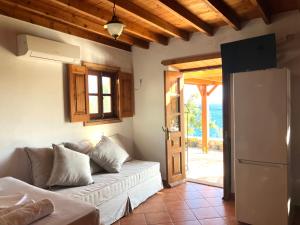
{"points": [[114, 8]]}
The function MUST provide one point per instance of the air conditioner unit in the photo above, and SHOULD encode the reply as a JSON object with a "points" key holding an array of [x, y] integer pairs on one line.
{"points": [[35, 47]]}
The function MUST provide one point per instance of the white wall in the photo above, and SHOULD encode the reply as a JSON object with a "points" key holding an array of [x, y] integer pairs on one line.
{"points": [[33, 96], [149, 100]]}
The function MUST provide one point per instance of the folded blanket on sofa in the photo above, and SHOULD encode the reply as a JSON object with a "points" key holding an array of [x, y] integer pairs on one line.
{"points": [[12, 208], [7, 201], [28, 213]]}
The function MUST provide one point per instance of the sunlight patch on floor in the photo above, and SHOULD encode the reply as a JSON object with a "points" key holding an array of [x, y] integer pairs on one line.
{"points": [[205, 168]]}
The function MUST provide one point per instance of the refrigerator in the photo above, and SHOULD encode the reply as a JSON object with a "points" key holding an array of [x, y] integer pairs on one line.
{"points": [[261, 145]]}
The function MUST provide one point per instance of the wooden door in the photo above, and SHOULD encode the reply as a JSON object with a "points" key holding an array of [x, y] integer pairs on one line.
{"points": [[174, 127]]}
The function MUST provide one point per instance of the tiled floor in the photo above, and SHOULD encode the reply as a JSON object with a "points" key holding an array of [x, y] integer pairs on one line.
{"points": [[206, 168], [187, 204]]}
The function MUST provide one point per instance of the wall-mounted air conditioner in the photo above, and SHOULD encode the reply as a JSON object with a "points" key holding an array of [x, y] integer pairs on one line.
{"points": [[35, 47]]}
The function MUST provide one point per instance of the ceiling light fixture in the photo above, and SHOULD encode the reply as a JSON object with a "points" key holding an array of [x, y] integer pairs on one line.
{"points": [[114, 26]]}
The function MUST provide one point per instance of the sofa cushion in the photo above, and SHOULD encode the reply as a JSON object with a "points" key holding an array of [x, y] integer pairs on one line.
{"points": [[41, 162], [84, 147], [110, 185], [109, 155], [70, 168]]}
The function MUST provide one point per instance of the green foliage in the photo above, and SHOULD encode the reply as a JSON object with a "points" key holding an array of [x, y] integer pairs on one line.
{"points": [[191, 112]]}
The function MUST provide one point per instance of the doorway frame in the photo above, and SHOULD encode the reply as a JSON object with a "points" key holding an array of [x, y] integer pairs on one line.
{"points": [[227, 194]]}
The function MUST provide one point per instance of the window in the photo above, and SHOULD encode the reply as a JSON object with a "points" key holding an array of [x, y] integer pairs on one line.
{"points": [[102, 95], [99, 94]]}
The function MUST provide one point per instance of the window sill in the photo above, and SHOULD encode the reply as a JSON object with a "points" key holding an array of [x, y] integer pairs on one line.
{"points": [[102, 121]]}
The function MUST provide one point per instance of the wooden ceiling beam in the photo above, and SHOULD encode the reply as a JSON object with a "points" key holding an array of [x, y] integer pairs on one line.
{"points": [[102, 16], [10, 9], [169, 62], [179, 9], [41, 8], [264, 10], [151, 19], [227, 14]]}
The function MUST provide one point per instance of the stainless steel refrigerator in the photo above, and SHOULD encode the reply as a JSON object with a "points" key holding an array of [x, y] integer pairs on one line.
{"points": [[261, 145]]}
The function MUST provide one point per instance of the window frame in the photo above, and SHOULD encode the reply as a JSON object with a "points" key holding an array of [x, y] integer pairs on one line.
{"points": [[114, 114]]}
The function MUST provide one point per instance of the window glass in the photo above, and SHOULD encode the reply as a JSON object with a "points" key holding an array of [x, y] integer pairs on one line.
{"points": [[107, 104], [93, 84], [175, 124], [93, 104], [106, 85]]}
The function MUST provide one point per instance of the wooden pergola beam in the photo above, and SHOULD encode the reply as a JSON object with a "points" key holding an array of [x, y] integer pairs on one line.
{"points": [[151, 19], [202, 88], [202, 81], [264, 10], [212, 90], [169, 62], [227, 14], [187, 15], [53, 13], [201, 68], [203, 91], [102, 16], [10, 9]]}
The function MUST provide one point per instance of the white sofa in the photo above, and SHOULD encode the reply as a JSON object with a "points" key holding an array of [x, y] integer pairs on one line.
{"points": [[117, 194], [113, 194]]}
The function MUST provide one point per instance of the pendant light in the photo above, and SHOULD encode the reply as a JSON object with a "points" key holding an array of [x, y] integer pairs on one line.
{"points": [[114, 26]]}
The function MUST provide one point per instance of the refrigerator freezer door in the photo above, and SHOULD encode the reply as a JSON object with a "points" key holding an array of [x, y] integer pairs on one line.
{"points": [[261, 193], [260, 112]]}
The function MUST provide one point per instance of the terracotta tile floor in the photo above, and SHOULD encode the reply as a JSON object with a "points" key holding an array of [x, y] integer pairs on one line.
{"points": [[186, 204]]}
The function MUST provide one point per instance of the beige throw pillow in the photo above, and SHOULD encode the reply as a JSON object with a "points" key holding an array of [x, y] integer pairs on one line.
{"points": [[109, 155], [41, 162], [70, 168], [120, 140], [84, 147]]}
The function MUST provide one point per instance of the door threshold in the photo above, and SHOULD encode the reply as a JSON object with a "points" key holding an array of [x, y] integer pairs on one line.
{"points": [[203, 183]]}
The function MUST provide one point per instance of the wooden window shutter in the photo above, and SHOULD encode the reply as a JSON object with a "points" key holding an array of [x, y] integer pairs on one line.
{"points": [[126, 94], [78, 88]]}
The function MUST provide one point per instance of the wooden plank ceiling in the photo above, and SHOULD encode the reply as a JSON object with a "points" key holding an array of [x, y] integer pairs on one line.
{"points": [[204, 77], [146, 21]]}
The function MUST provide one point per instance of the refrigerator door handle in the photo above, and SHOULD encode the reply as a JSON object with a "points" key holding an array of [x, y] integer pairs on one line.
{"points": [[266, 164]]}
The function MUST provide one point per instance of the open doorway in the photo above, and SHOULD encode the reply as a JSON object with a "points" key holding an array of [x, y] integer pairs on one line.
{"points": [[204, 126], [198, 120]]}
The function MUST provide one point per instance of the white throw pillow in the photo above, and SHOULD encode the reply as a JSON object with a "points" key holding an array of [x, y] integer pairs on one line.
{"points": [[70, 168], [109, 155], [84, 147]]}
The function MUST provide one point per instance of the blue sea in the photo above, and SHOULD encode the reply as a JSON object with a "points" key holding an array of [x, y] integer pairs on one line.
{"points": [[215, 114]]}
